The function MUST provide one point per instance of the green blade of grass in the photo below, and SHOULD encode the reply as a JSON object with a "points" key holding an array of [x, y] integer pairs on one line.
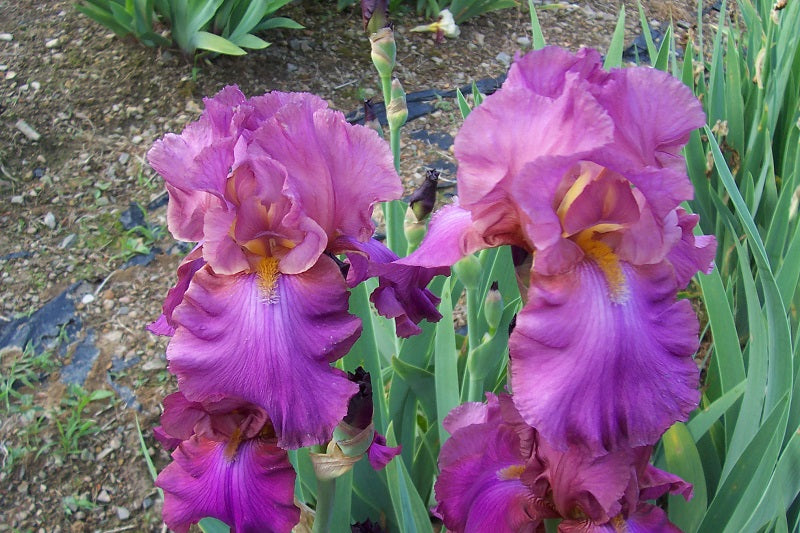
{"points": [[536, 29], [614, 54]]}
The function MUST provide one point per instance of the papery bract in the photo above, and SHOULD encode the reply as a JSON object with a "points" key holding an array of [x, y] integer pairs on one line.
{"points": [[567, 163], [271, 187]]}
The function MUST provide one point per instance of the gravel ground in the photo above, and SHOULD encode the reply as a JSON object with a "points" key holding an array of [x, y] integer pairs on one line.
{"points": [[82, 218]]}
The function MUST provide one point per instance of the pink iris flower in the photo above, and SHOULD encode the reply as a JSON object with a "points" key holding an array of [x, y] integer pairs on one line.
{"points": [[581, 169], [227, 465], [272, 188], [499, 474]]}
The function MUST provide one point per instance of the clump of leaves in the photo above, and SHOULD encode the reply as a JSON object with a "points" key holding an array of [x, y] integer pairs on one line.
{"points": [[211, 26], [77, 425]]}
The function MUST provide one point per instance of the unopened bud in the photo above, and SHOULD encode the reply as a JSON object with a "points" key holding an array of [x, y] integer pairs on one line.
{"points": [[493, 307], [468, 269], [371, 118], [423, 199], [375, 15], [414, 230], [384, 51], [397, 111]]}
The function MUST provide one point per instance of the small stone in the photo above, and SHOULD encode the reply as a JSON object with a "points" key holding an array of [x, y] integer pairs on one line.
{"points": [[123, 513], [35, 85], [137, 139], [17, 199], [123, 158], [480, 38], [154, 364], [27, 130], [103, 497], [68, 241], [6, 37], [291, 67], [38, 173], [124, 310], [87, 299], [50, 220], [524, 41], [147, 503], [10, 75], [503, 58], [52, 43]]}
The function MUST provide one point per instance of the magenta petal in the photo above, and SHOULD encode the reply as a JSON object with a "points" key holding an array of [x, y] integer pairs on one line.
{"points": [[167, 441], [544, 71], [653, 114], [379, 454], [692, 253], [573, 125], [604, 374], [581, 483], [190, 264], [271, 349], [253, 492], [647, 519], [450, 237], [336, 171], [479, 488], [401, 292]]}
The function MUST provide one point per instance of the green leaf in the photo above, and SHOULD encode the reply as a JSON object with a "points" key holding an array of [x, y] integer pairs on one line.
{"points": [[445, 356], [730, 492], [662, 60], [702, 421], [409, 509], [648, 37], [214, 43], [278, 22], [536, 29], [783, 487], [248, 40], [420, 381], [212, 525], [614, 54], [105, 18], [463, 106], [684, 460]]}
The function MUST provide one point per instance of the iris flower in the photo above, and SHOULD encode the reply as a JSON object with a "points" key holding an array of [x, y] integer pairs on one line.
{"points": [[273, 188], [581, 169], [499, 474], [227, 465]]}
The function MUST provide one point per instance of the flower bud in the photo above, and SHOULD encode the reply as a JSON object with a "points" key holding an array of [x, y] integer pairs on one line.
{"points": [[384, 51], [468, 269], [423, 199], [375, 14], [396, 111], [371, 118], [493, 307]]}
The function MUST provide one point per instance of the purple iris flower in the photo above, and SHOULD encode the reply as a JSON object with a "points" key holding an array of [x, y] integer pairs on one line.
{"points": [[499, 474], [272, 187], [581, 168], [227, 465]]}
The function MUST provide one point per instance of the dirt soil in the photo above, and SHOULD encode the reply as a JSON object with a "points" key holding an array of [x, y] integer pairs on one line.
{"points": [[97, 103]]}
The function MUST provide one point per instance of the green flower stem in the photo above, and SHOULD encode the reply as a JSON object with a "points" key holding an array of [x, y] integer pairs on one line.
{"points": [[326, 491], [386, 87], [475, 389]]}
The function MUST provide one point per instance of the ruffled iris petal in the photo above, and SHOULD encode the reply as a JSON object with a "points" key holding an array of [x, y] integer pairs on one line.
{"points": [[336, 171], [270, 348], [573, 124], [401, 292], [190, 264], [379, 454], [604, 373], [253, 491], [479, 488]]}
